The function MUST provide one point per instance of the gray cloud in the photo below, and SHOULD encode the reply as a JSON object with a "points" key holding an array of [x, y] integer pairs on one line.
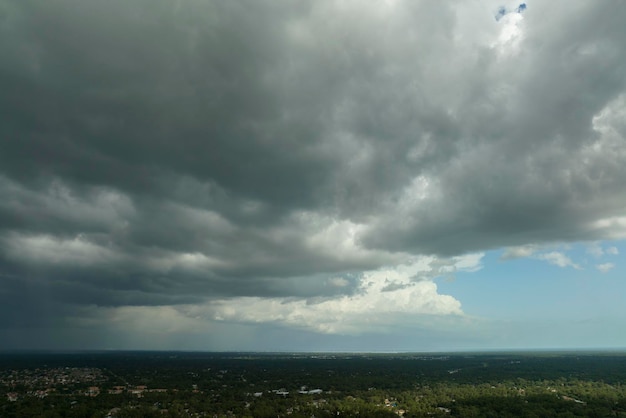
{"points": [[156, 153]]}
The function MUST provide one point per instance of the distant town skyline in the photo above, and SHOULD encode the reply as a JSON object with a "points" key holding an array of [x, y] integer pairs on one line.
{"points": [[312, 176]]}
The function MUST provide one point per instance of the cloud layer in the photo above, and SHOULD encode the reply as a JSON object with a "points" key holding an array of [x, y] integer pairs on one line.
{"points": [[274, 155]]}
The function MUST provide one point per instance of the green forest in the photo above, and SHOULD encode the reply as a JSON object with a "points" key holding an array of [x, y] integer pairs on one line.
{"points": [[167, 384]]}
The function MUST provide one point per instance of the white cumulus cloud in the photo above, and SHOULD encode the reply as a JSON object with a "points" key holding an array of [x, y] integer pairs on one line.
{"points": [[521, 251], [605, 267], [558, 259], [387, 296]]}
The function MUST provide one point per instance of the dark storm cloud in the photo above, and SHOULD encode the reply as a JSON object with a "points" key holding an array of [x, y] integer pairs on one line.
{"points": [[168, 152], [122, 95], [537, 169]]}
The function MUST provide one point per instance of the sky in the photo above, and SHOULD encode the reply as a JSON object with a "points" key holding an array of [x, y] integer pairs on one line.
{"points": [[313, 175]]}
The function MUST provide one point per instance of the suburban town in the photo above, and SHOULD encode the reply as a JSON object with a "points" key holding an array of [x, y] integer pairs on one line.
{"points": [[195, 385]]}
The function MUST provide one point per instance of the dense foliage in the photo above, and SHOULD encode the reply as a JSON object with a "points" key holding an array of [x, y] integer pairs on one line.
{"points": [[145, 384]]}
